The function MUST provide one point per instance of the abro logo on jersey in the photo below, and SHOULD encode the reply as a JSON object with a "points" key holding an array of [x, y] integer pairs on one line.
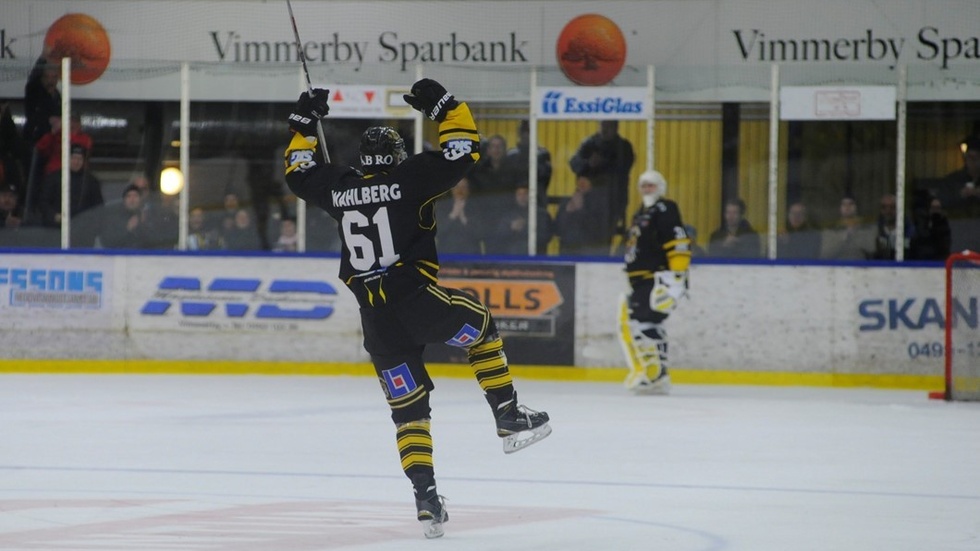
{"points": [[281, 299], [377, 160]]}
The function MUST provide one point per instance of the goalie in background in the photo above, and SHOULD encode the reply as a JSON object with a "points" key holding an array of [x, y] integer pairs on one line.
{"points": [[658, 254]]}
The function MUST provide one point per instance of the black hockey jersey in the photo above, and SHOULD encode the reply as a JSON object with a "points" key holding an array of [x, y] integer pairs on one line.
{"points": [[386, 220], [656, 241]]}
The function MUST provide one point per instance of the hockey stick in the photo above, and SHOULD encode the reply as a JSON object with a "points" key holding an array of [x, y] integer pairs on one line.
{"points": [[309, 83]]}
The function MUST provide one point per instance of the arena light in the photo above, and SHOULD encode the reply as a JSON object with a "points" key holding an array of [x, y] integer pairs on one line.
{"points": [[171, 181]]}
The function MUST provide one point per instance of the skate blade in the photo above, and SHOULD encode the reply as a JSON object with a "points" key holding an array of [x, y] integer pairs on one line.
{"points": [[635, 379], [432, 529], [520, 440], [660, 387]]}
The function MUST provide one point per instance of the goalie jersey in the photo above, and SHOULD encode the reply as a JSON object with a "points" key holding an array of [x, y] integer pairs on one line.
{"points": [[386, 220], [656, 241]]}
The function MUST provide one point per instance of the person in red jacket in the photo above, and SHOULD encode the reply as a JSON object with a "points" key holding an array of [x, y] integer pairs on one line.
{"points": [[49, 145]]}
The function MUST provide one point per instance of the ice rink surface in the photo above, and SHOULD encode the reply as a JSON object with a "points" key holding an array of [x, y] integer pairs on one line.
{"points": [[238, 463]]}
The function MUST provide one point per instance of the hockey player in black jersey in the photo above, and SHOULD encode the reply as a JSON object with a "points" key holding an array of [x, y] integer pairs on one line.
{"points": [[657, 258], [387, 227]]}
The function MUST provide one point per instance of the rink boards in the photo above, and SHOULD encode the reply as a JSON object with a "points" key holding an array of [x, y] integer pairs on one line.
{"points": [[762, 323]]}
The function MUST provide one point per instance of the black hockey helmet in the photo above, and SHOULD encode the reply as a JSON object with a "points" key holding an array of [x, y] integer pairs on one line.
{"points": [[381, 149]]}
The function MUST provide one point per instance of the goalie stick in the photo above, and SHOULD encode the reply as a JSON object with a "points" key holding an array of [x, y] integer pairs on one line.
{"points": [[309, 83]]}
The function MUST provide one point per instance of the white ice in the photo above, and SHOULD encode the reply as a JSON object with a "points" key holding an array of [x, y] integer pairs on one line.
{"points": [[126, 463]]}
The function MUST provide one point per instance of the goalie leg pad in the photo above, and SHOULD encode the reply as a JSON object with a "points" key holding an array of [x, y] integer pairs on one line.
{"points": [[644, 344]]}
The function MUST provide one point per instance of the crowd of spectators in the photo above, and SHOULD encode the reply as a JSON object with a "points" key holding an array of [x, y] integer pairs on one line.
{"points": [[488, 212]]}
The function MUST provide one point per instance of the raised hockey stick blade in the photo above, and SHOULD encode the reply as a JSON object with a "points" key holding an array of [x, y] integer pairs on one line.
{"points": [[309, 83]]}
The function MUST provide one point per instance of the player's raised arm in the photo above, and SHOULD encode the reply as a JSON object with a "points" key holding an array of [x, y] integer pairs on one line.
{"points": [[458, 136], [302, 157]]}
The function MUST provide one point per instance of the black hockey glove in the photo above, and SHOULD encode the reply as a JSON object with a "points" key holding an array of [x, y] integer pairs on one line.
{"points": [[309, 109], [429, 97]]}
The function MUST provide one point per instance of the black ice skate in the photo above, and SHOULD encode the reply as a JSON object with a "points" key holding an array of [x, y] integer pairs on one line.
{"points": [[518, 425], [432, 511]]}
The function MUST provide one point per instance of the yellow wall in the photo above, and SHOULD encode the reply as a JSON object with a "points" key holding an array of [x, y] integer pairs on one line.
{"points": [[688, 154], [688, 147]]}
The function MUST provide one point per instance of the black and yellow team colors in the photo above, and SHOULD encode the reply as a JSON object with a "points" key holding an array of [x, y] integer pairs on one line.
{"points": [[658, 255], [386, 221]]}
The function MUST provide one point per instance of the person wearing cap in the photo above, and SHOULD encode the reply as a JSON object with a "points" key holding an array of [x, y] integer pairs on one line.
{"points": [[86, 194], [124, 225]]}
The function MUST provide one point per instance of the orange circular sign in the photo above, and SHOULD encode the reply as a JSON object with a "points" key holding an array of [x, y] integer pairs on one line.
{"points": [[82, 38], [591, 50]]}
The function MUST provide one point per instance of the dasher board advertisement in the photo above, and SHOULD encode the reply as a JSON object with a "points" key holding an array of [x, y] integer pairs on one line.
{"points": [[533, 306], [56, 291]]}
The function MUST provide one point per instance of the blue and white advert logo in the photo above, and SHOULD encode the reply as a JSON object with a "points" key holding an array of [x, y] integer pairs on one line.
{"points": [[52, 288], [592, 103], [223, 302]]}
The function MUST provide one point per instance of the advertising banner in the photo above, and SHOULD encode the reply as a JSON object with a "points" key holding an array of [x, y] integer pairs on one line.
{"points": [[532, 304], [827, 103], [805, 319], [117, 44], [234, 295], [569, 103], [240, 308], [56, 291], [737, 318]]}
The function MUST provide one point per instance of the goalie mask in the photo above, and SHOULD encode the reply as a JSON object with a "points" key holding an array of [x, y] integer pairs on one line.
{"points": [[381, 149], [652, 186]]}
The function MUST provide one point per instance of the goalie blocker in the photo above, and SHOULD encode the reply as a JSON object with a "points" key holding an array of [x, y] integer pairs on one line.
{"points": [[657, 259]]}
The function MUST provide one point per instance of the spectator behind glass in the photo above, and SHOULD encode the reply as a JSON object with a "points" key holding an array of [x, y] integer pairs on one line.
{"points": [[456, 223], [576, 223], [606, 159], [12, 153], [735, 238], [801, 237], [49, 145], [124, 224], [42, 100], [85, 193], [288, 241], [225, 220], [886, 238], [148, 198], [242, 236], [692, 234], [492, 183], [933, 237], [850, 238], [165, 221], [199, 236], [510, 236], [959, 194], [10, 212], [518, 157]]}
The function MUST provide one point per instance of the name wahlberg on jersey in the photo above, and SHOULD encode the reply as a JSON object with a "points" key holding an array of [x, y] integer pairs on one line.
{"points": [[368, 206]]}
